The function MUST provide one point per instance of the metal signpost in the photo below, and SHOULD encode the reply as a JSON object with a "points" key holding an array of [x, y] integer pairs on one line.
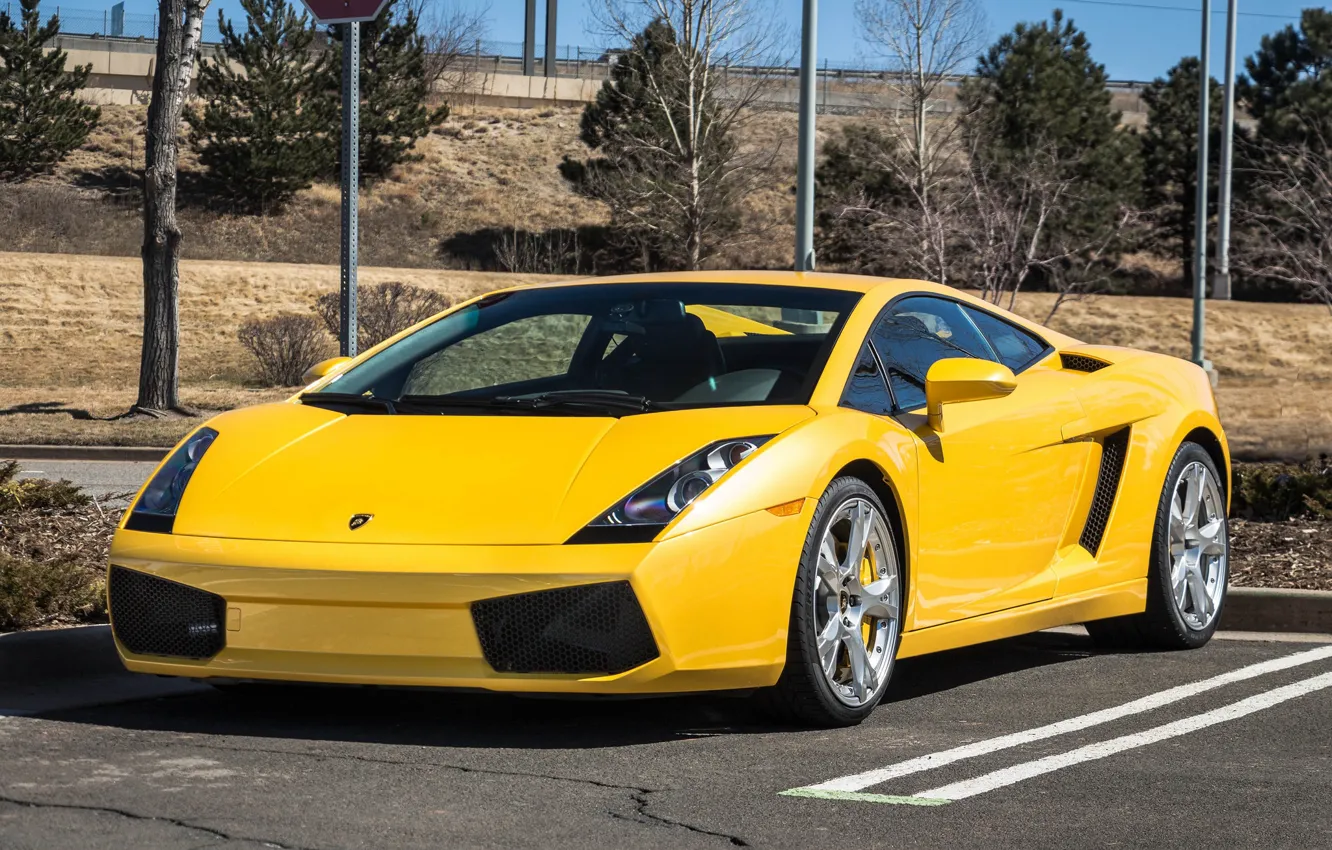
{"points": [[349, 14], [804, 247]]}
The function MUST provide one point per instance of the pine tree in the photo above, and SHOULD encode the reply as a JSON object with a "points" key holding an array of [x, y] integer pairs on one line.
{"points": [[41, 117], [1170, 158], [262, 133], [394, 91], [1038, 90], [1288, 89]]}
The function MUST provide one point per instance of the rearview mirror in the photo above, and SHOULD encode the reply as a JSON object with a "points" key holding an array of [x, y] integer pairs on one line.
{"points": [[324, 368], [964, 379]]}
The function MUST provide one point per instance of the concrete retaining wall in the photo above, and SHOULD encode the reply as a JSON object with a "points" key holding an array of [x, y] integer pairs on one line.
{"points": [[122, 73]]}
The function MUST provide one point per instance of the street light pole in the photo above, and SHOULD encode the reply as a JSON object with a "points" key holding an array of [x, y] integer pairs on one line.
{"points": [[1200, 202], [1221, 284], [804, 247]]}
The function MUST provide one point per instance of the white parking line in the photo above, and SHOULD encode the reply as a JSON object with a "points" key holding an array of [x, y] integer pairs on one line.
{"points": [[846, 786], [1091, 752]]}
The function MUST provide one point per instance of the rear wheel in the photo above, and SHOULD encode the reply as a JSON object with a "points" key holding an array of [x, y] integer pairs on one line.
{"points": [[1186, 582], [845, 613]]}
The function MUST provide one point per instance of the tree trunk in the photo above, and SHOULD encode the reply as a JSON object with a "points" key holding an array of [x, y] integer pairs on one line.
{"points": [[181, 22]]}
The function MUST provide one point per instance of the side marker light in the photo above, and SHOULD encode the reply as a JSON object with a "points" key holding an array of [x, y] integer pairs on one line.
{"points": [[787, 508]]}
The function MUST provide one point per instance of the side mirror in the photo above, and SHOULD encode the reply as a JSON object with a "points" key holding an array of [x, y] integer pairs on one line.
{"points": [[964, 379], [324, 368]]}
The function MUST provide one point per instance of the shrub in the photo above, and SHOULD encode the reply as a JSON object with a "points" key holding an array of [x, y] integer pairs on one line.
{"points": [[552, 252], [1271, 492], [33, 592], [284, 346], [36, 493], [53, 546], [382, 310]]}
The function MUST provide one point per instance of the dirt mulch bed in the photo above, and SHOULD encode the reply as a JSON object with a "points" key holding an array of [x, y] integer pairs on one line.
{"points": [[1296, 553]]}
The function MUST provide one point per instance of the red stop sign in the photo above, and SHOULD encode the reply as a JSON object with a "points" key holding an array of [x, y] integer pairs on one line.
{"points": [[344, 11]]}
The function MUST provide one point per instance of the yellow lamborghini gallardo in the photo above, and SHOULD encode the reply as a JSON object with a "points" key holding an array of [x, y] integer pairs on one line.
{"points": [[754, 481]]}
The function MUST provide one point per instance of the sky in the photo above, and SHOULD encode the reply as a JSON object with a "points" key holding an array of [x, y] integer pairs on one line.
{"points": [[1134, 39]]}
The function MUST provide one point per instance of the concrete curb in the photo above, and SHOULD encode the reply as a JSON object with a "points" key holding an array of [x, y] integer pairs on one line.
{"points": [[143, 454], [1264, 609]]}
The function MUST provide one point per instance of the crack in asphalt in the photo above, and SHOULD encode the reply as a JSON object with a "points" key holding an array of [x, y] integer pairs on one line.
{"points": [[637, 793], [125, 813], [634, 789], [640, 809]]}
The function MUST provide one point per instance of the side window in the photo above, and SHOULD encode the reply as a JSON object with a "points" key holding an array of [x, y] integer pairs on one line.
{"points": [[866, 390], [501, 355], [1016, 348], [918, 332]]}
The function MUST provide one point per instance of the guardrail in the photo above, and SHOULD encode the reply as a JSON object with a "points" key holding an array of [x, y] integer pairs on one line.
{"points": [[491, 56]]}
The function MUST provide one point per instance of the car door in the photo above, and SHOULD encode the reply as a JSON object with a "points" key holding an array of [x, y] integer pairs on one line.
{"points": [[997, 486]]}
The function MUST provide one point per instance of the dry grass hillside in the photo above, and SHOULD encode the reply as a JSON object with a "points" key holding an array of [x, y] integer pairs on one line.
{"points": [[484, 168], [69, 333]]}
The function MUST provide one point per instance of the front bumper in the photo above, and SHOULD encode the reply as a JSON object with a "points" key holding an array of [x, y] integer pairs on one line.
{"points": [[717, 601]]}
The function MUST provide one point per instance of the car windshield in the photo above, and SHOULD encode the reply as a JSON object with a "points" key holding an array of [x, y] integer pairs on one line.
{"points": [[604, 349]]}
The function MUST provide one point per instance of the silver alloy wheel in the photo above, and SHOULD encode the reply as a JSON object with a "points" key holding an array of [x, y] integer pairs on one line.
{"points": [[857, 597], [1198, 544]]}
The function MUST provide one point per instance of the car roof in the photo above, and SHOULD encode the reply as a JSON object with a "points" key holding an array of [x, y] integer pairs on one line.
{"points": [[888, 289], [819, 280]]}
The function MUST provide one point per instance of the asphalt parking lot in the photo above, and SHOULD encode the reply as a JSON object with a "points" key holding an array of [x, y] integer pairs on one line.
{"points": [[1034, 742]]}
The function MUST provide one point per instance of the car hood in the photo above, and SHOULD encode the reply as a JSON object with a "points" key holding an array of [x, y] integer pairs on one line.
{"points": [[292, 472]]}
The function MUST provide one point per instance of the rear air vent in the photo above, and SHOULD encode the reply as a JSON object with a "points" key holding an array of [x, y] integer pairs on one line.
{"points": [[1113, 451], [591, 628], [1081, 363], [153, 616]]}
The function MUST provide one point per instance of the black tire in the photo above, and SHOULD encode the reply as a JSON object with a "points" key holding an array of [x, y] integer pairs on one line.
{"points": [[803, 695], [1162, 625]]}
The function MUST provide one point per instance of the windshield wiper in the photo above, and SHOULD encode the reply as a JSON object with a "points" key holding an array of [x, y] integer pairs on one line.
{"points": [[339, 400], [585, 402], [609, 400], [498, 404]]}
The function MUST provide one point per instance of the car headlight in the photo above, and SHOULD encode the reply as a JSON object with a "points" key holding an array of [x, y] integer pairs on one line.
{"points": [[156, 508], [656, 503]]}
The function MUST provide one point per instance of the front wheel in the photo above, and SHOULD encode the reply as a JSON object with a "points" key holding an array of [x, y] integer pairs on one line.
{"points": [[1186, 581], [845, 612]]}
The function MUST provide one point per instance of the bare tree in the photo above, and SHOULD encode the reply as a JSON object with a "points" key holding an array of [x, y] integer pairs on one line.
{"points": [[178, 37], [451, 32], [1006, 238], [927, 41], [1286, 219], [901, 237], [675, 170]]}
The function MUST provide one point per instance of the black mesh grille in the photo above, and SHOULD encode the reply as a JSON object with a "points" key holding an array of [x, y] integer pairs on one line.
{"points": [[1113, 450], [1081, 363], [591, 628], [153, 616]]}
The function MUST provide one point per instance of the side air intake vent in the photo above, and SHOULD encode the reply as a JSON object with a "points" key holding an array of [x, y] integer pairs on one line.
{"points": [[1081, 363], [153, 616], [1113, 451], [592, 628]]}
